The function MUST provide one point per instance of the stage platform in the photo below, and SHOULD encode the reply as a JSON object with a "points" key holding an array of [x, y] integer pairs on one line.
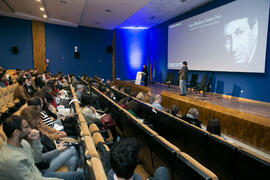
{"points": [[243, 105], [245, 120]]}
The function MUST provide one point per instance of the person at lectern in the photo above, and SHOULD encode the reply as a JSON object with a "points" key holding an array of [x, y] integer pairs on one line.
{"points": [[183, 75], [145, 75]]}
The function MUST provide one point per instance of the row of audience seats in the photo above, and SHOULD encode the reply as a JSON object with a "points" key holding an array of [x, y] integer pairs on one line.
{"points": [[225, 159], [155, 151], [89, 141], [9, 105]]}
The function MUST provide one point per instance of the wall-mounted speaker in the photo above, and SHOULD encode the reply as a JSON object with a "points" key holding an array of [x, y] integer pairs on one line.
{"points": [[109, 49], [14, 49], [76, 55]]}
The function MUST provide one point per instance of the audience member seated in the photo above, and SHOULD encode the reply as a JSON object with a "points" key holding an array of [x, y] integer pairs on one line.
{"points": [[213, 127], [59, 81], [57, 156], [124, 158], [20, 91], [95, 100], [121, 88], [29, 86], [192, 117], [52, 84], [124, 102], [108, 83], [133, 108], [7, 79], [48, 131], [140, 96], [148, 98], [47, 99], [3, 82], [157, 102], [107, 91], [174, 110], [37, 102], [74, 81], [90, 114], [21, 151], [38, 81], [128, 90], [79, 91]]}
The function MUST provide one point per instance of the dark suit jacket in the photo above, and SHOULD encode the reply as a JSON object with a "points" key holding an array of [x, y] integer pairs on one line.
{"points": [[145, 70], [21, 93], [196, 122], [183, 73]]}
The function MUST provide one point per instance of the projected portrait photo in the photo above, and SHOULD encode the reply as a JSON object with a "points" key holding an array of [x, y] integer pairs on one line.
{"points": [[241, 36]]}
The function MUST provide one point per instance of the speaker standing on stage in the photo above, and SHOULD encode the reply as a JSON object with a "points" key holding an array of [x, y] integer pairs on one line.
{"points": [[183, 75], [145, 75]]}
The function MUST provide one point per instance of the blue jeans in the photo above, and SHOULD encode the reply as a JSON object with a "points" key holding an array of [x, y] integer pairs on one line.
{"points": [[161, 173], [183, 86], [71, 175], [68, 157]]}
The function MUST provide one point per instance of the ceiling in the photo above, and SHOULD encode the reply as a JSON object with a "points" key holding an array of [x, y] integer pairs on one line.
{"points": [[104, 14]]}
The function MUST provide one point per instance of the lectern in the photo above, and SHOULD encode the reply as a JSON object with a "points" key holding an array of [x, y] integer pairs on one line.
{"points": [[139, 78]]}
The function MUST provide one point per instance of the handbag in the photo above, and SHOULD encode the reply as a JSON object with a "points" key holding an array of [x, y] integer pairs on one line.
{"points": [[107, 121], [48, 144]]}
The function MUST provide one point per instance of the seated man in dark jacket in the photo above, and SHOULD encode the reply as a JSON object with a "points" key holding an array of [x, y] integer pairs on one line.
{"points": [[123, 159]]}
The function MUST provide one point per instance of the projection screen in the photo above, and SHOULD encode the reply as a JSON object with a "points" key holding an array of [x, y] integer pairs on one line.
{"points": [[229, 38]]}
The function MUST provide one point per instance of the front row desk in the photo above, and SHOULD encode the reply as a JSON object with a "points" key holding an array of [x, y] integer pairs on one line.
{"points": [[225, 160]]}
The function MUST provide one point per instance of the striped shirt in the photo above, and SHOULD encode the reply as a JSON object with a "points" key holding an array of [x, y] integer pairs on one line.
{"points": [[46, 119]]}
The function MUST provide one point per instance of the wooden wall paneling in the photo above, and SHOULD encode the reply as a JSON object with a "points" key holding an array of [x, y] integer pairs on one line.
{"points": [[38, 36]]}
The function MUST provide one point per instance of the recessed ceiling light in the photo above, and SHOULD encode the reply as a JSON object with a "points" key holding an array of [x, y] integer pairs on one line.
{"points": [[45, 16], [42, 8], [38, 0]]}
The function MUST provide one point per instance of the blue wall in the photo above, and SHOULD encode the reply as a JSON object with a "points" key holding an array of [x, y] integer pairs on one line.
{"points": [[254, 85], [59, 44], [16, 32], [131, 52], [91, 42]]}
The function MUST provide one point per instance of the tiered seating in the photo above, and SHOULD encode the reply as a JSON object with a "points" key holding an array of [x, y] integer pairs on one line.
{"points": [[214, 152], [155, 151], [8, 105], [95, 168]]}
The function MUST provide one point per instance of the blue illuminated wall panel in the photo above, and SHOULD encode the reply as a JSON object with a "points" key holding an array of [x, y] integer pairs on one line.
{"points": [[132, 51]]}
